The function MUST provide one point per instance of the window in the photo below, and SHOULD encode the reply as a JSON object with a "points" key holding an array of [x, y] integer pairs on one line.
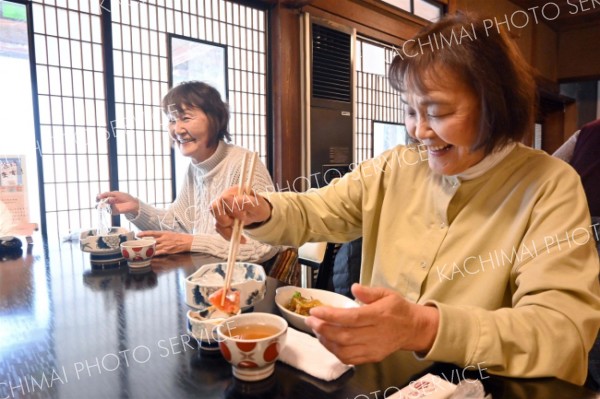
{"points": [[537, 136], [191, 59], [73, 127], [141, 33], [430, 10], [18, 143], [99, 100], [387, 135], [376, 100]]}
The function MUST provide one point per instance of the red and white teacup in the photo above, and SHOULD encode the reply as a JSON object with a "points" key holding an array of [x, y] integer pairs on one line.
{"points": [[138, 253], [252, 356]]}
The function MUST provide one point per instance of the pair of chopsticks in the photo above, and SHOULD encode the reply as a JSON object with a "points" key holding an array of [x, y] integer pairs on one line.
{"points": [[245, 184]]}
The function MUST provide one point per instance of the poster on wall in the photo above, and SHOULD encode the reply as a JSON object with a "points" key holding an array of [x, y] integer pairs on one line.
{"points": [[13, 194]]}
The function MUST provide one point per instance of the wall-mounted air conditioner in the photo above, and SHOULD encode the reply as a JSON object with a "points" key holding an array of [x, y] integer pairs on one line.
{"points": [[328, 99]]}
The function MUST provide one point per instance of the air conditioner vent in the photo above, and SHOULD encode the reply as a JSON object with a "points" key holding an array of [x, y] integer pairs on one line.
{"points": [[331, 67]]}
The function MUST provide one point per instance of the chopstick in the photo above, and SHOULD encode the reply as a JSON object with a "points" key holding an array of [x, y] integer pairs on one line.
{"points": [[245, 183]]}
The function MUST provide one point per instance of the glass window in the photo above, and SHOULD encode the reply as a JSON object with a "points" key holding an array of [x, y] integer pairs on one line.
{"points": [[71, 92], [372, 59], [19, 191], [403, 4], [427, 10], [537, 136], [430, 10], [377, 103]]}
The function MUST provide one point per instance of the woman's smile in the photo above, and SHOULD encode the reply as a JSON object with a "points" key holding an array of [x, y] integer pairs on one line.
{"points": [[192, 131], [444, 118]]}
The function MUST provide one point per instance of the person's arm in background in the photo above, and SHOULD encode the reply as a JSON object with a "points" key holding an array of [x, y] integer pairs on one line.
{"points": [[565, 152], [250, 250], [171, 227], [178, 217], [148, 217]]}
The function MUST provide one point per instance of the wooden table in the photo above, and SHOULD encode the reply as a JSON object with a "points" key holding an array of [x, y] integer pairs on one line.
{"points": [[67, 331]]}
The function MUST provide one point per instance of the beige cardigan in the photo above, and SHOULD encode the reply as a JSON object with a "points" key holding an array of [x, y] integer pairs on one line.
{"points": [[507, 257]]}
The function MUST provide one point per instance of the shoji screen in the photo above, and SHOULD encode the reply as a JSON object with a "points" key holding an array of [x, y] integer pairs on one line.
{"points": [[71, 96], [72, 56], [376, 100]]}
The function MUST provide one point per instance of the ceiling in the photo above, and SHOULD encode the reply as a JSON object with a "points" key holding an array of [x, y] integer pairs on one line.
{"points": [[573, 13]]}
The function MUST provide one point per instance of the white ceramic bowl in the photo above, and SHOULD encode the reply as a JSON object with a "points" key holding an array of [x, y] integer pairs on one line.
{"points": [[328, 298], [249, 279], [105, 250]]}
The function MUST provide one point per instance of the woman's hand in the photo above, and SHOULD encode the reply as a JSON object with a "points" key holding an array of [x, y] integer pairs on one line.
{"points": [[168, 242], [120, 202], [250, 208], [384, 324]]}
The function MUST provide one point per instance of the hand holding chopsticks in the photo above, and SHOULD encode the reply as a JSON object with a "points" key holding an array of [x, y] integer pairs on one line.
{"points": [[244, 187]]}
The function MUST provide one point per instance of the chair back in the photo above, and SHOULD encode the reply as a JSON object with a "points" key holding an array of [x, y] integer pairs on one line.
{"points": [[316, 262]]}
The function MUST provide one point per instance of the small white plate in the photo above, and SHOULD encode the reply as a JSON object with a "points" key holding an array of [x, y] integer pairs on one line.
{"points": [[328, 298]]}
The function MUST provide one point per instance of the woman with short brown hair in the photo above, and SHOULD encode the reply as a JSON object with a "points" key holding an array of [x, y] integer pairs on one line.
{"points": [[198, 121], [476, 249]]}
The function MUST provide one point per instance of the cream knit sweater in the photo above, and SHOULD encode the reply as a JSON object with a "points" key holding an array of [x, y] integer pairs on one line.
{"points": [[190, 213]]}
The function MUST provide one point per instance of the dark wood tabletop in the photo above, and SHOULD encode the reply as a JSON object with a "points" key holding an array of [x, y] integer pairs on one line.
{"points": [[70, 331]]}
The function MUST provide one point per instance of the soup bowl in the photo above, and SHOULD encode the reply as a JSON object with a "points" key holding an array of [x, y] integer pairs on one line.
{"points": [[251, 343], [138, 253]]}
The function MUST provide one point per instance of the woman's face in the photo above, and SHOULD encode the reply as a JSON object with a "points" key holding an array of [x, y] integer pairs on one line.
{"points": [[445, 120], [192, 133]]}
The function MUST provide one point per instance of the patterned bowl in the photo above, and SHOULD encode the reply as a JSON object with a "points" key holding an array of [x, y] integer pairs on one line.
{"points": [[251, 343], [202, 326], [105, 250], [138, 253], [248, 278]]}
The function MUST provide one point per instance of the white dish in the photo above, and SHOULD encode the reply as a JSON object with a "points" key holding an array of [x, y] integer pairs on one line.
{"points": [[328, 298]]}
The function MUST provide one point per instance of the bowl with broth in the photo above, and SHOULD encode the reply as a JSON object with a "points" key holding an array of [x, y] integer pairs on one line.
{"points": [[251, 343]]}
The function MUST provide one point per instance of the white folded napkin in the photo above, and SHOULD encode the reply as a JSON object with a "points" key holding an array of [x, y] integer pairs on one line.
{"points": [[428, 387], [306, 353]]}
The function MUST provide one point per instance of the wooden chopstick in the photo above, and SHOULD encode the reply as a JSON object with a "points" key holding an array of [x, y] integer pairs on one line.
{"points": [[245, 183]]}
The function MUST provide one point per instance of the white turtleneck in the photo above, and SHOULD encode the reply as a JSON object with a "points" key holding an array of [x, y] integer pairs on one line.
{"points": [[486, 163], [190, 213]]}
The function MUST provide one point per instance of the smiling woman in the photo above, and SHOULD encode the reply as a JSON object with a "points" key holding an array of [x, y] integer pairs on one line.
{"points": [[480, 193], [198, 126], [197, 119]]}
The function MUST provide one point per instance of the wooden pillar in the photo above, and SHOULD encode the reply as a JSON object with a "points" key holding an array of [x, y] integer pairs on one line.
{"points": [[284, 36]]}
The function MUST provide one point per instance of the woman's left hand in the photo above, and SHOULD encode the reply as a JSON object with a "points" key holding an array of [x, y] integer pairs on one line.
{"points": [[168, 242], [384, 324]]}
